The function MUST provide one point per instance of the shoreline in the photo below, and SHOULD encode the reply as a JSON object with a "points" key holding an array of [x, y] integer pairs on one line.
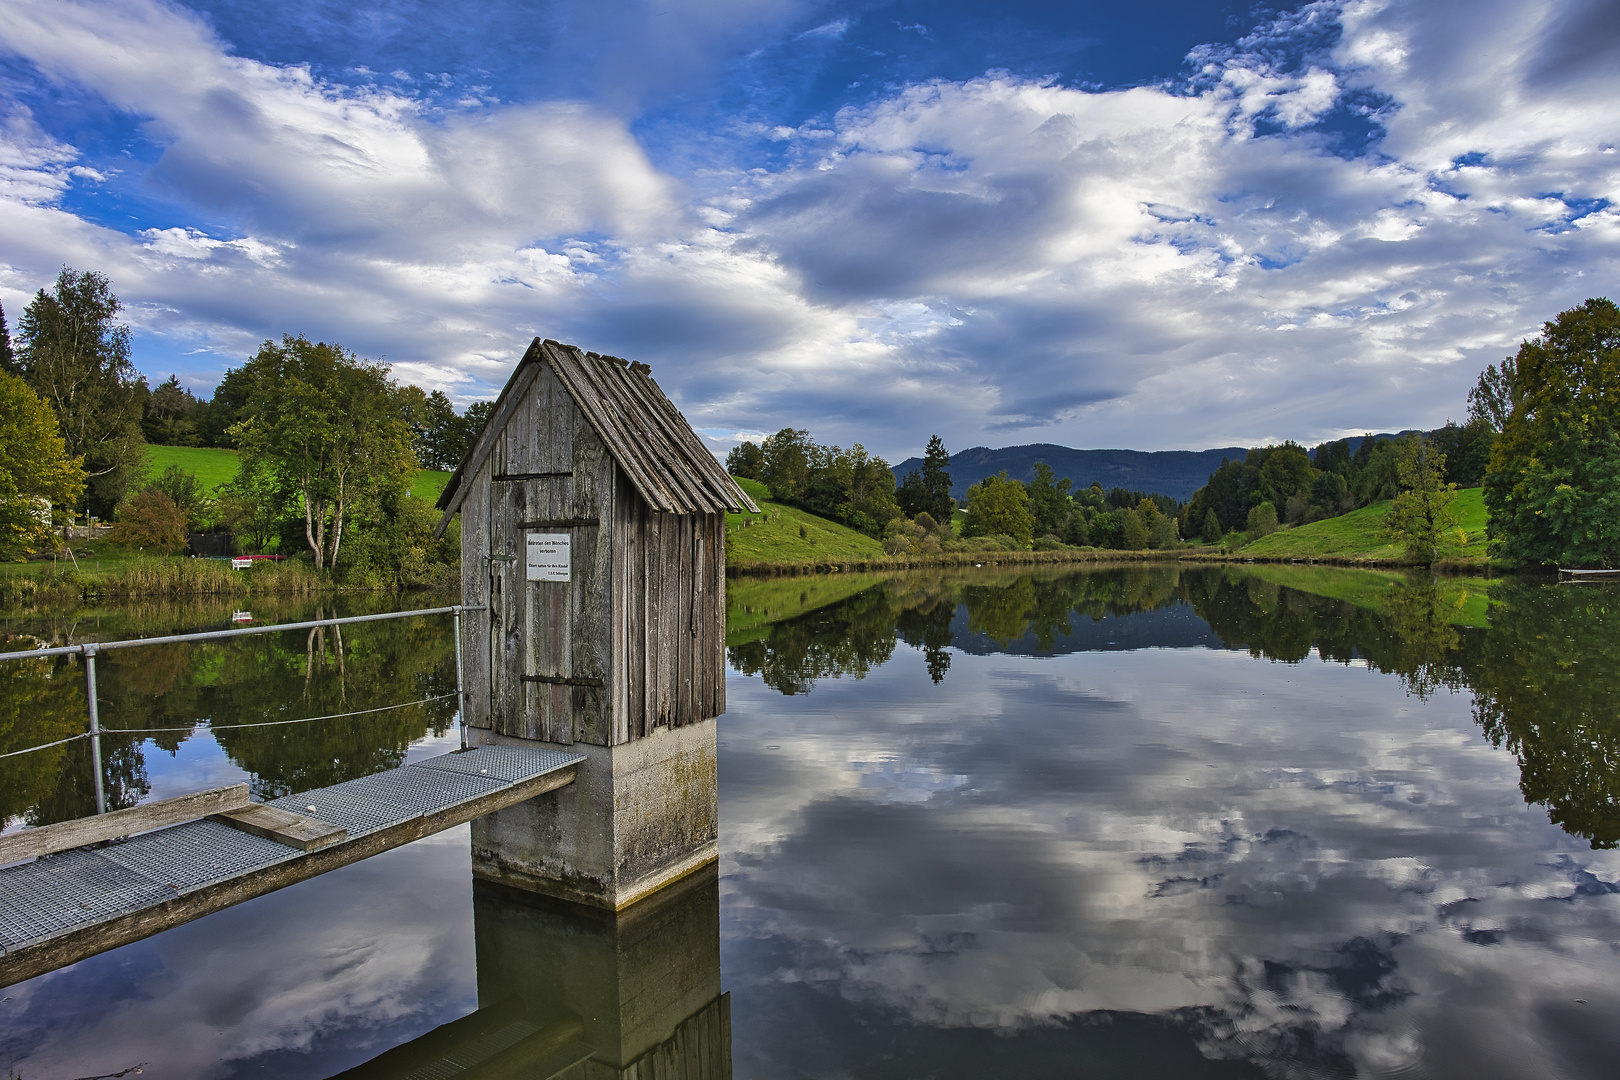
{"points": [[1095, 555]]}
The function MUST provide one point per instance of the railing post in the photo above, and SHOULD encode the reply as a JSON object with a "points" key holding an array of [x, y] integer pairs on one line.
{"points": [[95, 725], [461, 695]]}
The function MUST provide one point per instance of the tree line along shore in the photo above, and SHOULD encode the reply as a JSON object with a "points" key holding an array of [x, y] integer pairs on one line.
{"points": [[319, 458]]}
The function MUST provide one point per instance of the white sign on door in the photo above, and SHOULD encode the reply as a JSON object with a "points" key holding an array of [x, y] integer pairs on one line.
{"points": [[550, 557]]}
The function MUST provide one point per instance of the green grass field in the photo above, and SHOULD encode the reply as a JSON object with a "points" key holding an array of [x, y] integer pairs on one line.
{"points": [[1464, 600], [785, 534], [213, 467], [1355, 535], [754, 603]]}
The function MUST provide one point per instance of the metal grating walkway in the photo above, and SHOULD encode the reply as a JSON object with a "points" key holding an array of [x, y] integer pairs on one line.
{"points": [[66, 893]]}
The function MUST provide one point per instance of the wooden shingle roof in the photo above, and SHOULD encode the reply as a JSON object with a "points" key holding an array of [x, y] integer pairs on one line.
{"points": [[661, 455]]}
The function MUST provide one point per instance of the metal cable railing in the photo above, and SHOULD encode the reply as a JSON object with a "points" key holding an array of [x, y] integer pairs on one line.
{"points": [[89, 650]]}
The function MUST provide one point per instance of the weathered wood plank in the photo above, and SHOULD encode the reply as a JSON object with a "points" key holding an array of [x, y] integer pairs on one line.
{"points": [[63, 835], [633, 522], [618, 615], [283, 826], [25, 963], [666, 585], [718, 612], [475, 581], [591, 598], [508, 623], [682, 558], [528, 368]]}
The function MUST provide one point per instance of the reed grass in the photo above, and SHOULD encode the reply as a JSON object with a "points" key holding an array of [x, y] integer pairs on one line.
{"points": [[163, 577]]}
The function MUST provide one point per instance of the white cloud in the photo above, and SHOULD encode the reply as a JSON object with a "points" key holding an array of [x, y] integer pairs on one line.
{"points": [[1269, 900], [34, 167], [996, 259]]}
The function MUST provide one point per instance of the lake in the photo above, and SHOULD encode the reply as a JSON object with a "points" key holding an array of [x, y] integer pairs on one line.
{"points": [[1159, 820]]}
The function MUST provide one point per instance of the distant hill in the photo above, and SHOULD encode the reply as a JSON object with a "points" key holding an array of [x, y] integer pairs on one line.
{"points": [[1176, 473]]}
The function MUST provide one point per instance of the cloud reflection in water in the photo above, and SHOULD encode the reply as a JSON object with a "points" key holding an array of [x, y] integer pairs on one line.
{"points": [[1298, 866]]}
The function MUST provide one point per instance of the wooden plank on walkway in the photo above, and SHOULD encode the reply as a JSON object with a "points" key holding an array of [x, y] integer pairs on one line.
{"points": [[65, 835], [65, 907], [283, 826]]}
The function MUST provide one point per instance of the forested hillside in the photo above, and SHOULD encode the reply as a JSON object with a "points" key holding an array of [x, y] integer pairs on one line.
{"points": [[1177, 473]]}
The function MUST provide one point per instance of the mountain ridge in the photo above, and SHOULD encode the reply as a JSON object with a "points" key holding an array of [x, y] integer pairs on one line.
{"points": [[1176, 473]]}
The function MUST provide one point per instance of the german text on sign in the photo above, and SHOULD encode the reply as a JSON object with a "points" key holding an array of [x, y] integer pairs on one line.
{"points": [[550, 557]]}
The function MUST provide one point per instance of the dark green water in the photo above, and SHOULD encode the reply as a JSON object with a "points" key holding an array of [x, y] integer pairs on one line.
{"points": [[1137, 823]]}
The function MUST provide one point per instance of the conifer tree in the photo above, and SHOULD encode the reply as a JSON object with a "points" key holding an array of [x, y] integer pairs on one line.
{"points": [[936, 481], [8, 359]]}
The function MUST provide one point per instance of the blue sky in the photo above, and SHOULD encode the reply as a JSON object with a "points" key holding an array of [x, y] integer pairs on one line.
{"points": [[1170, 225]]}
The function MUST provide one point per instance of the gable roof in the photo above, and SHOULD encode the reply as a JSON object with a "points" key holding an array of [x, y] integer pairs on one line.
{"points": [[661, 455]]}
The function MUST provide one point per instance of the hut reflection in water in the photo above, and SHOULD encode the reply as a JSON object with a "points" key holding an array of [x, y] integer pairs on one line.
{"points": [[580, 993]]}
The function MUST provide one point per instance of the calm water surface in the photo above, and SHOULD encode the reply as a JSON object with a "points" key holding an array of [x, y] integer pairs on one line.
{"points": [[1147, 822]]}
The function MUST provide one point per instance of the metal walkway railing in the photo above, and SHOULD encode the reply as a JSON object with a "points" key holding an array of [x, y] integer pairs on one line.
{"points": [[89, 650], [65, 906]]}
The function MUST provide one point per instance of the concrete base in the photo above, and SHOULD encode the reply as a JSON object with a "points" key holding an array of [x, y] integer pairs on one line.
{"points": [[638, 981], [580, 993], [636, 818]]}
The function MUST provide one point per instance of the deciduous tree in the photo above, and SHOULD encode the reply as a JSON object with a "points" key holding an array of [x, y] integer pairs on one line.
{"points": [[1553, 486], [787, 464], [998, 506], [746, 460], [34, 467], [1494, 396], [1422, 516], [75, 354], [150, 520], [329, 429], [1262, 521]]}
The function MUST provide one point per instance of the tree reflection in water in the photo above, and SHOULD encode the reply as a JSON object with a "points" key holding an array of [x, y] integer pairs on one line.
{"points": [[1543, 673], [191, 687], [1545, 686]]}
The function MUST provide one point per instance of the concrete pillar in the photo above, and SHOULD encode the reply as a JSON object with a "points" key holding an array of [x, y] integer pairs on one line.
{"points": [[638, 986], [581, 993], [638, 817]]}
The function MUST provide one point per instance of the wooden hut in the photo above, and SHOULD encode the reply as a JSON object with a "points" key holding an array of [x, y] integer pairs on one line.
{"points": [[593, 533]]}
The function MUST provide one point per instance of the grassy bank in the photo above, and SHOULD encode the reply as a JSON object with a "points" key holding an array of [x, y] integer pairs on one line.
{"points": [[136, 575], [754, 603], [1463, 601], [780, 534], [782, 540], [214, 466], [1353, 537]]}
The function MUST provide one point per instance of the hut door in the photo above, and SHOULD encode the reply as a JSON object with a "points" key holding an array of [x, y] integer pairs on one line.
{"points": [[534, 573]]}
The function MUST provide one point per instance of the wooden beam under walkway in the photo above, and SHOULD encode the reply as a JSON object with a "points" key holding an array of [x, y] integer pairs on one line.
{"points": [[62, 908]]}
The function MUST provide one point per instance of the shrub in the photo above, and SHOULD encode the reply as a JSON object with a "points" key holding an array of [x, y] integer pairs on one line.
{"points": [[1262, 521], [150, 520]]}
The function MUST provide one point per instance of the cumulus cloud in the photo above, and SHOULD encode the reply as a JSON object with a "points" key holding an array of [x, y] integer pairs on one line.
{"points": [[1121, 257], [1327, 226], [33, 166], [360, 966], [1328, 870]]}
